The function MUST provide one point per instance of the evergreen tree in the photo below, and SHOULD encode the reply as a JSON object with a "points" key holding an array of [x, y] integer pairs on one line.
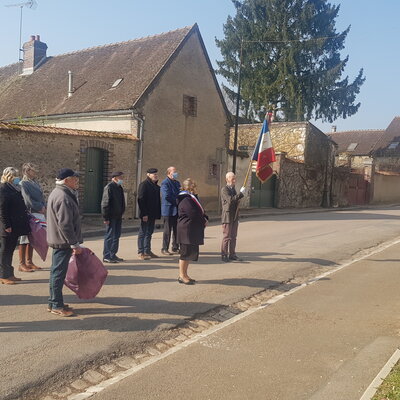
{"points": [[291, 60]]}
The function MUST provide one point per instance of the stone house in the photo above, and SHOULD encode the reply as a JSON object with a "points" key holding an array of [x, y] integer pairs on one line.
{"points": [[160, 89], [386, 165], [372, 158], [355, 147], [54, 148], [303, 170]]}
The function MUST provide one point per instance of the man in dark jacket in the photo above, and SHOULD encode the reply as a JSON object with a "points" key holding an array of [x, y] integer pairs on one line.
{"points": [[63, 235], [149, 210], [170, 188], [112, 209], [230, 218]]}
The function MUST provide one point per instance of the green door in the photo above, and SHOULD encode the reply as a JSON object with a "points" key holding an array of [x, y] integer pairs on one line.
{"points": [[94, 180], [262, 194]]}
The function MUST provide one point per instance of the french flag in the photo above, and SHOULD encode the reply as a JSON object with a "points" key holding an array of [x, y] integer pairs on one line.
{"points": [[264, 154]]}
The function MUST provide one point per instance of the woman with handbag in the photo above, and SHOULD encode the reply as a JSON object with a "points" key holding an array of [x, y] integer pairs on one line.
{"points": [[13, 222], [190, 228]]}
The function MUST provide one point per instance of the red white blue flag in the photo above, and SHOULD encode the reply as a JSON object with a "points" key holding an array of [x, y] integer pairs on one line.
{"points": [[264, 154]]}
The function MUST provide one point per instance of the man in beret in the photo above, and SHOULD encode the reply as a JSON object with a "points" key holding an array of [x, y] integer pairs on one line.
{"points": [[112, 209], [63, 235], [149, 203]]}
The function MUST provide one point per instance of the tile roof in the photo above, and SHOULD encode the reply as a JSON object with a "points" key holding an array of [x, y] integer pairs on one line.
{"points": [[365, 139], [10, 127], [390, 135], [138, 62]]}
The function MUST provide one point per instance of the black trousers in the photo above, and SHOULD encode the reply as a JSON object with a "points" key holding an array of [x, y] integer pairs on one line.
{"points": [[170, 225], [7, 247]]}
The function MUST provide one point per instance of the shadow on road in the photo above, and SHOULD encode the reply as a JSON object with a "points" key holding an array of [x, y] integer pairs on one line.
{"points": [[324, 216]]}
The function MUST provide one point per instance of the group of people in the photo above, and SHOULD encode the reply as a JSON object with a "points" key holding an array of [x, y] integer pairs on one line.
{"points": [[22, 200], [183, 216]]}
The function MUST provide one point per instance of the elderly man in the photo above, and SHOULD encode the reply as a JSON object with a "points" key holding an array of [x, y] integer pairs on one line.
{"points": [[63, 235], [112, 209], [149, 210], [230, 218], [170, 188]]}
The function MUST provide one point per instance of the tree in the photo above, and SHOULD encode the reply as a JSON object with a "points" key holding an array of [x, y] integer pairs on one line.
{"points": [[291, 60]]}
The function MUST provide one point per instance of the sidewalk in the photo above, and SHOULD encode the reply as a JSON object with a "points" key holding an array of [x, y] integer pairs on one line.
{"points": [[325, 342], [93, 226]]}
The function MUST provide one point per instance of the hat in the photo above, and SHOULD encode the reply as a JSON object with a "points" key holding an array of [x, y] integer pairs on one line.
{"points": [[115, 174], [152, 170], [66, 173]]}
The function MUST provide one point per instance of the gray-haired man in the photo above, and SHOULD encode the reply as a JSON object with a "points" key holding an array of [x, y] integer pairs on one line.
{"points": [[230, 218]]}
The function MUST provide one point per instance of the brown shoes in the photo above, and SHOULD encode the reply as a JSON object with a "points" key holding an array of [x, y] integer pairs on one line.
{"points": [[66, 307], [25, 268], [143, 256], [152, 255], [32, 266], [7, 281], [62, 312], [14, 278]]}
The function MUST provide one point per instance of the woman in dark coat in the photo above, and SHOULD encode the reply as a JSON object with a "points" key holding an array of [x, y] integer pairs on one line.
{"points": [[190, 229], [13, 222]]}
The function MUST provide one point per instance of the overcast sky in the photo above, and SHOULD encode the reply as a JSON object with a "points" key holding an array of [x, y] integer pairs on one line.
{"points": [[67, 25]]}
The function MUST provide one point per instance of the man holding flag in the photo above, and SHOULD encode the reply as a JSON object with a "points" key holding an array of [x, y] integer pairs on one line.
{"points": [[264, 155], [230, 218]]}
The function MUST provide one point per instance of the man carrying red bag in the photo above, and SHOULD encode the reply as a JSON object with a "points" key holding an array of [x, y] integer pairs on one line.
{"points": [[64, 235]]}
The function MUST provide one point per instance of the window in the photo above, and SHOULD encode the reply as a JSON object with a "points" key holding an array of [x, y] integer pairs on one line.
{"points": [[189, 106], [393, 145], [352, 146], [116, 83]]}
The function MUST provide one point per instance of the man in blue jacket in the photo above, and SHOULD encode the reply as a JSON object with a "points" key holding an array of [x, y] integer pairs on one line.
{"points": [[170, 188]]}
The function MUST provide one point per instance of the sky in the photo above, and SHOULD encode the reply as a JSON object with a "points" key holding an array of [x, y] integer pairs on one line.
{"points": [[68, 25]]}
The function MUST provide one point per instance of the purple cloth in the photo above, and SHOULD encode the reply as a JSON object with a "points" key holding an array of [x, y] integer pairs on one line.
{"points": [[37, 237], [86, 274]]}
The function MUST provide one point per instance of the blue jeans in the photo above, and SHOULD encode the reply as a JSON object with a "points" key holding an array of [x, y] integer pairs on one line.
{"points": [[144, 237], [111, 238], [58, 271]]}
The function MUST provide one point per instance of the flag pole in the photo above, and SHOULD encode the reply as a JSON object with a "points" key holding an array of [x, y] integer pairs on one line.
{"points": [[268, 117]]}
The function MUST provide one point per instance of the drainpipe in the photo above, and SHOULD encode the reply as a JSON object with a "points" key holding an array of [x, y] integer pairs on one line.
{"points": [[140, 119]]}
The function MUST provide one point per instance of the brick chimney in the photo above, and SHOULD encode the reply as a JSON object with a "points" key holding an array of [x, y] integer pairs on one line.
{"points": [[34, 54]]}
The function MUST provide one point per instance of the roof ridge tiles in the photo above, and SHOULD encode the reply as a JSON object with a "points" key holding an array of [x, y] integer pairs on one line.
{"points": [[358, 130], [188, 28]]}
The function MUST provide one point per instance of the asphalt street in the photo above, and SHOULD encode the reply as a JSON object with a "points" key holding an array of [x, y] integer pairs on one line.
{"points": [[327, 341], [141, 298]]}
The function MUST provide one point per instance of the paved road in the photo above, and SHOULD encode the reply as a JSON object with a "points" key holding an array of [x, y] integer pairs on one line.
{"points": [[327, 341], [141, 298]]}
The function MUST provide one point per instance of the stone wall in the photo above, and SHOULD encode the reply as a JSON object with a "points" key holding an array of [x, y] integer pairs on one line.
{"points": [[386, 189], [298, 185], [52, 151]]}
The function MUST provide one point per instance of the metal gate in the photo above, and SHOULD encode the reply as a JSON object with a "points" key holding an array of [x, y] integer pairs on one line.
{"points": [[262, 194], [94, 180]]}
